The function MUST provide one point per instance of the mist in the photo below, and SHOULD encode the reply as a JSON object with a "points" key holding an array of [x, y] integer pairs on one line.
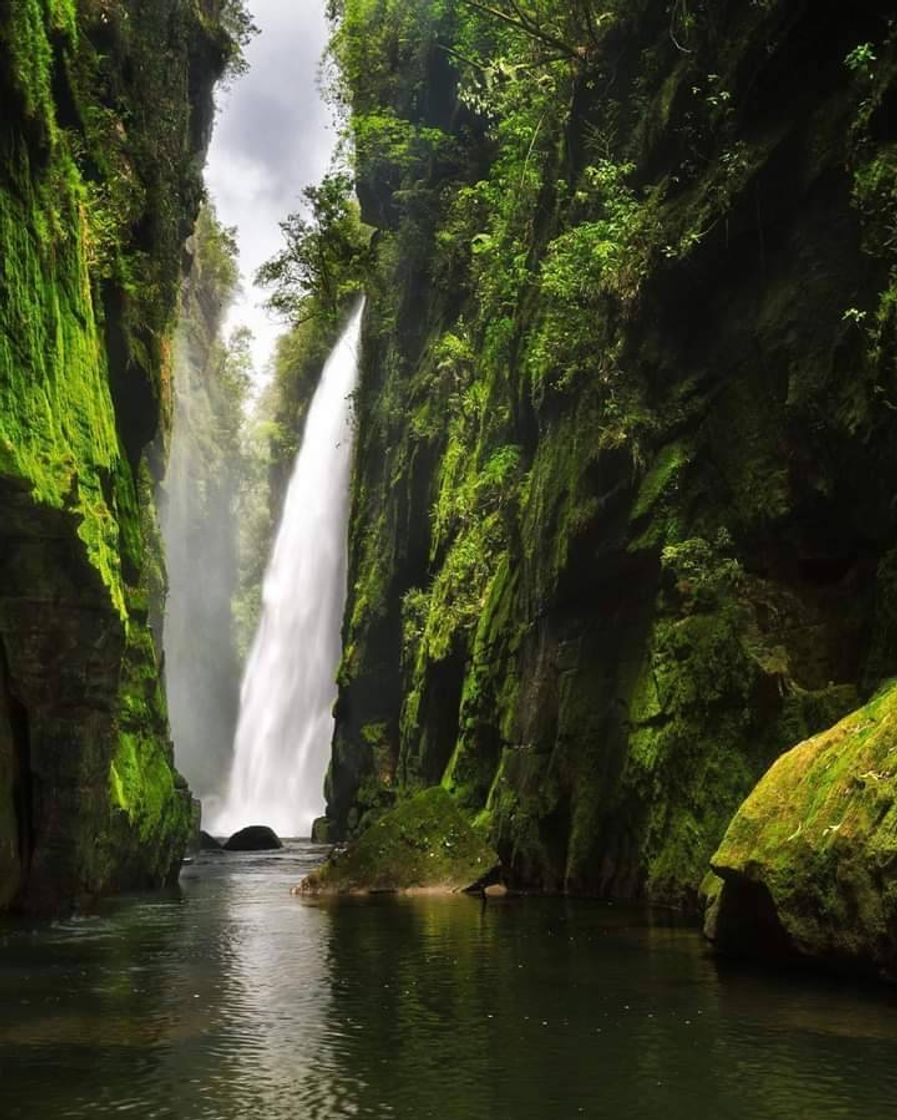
{"points": [[273, 136]]}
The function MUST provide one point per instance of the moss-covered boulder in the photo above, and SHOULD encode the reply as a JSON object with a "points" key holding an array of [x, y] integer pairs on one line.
{"points": [[425, 843], [808, 866]]}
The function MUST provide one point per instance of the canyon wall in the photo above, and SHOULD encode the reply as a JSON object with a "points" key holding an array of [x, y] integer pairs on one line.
{"points": [[623, 527], [107, 107]]}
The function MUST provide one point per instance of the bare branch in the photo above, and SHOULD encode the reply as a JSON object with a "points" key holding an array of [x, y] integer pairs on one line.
{"points": [[528, 28]]}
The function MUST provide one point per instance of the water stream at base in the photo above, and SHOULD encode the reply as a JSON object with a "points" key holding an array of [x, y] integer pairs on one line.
{"points": [[230, 999], [285, 725]]}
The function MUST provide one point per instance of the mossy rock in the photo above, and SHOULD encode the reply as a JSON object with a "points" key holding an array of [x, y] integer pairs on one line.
{"points": [[808, 866], [425, 843]]}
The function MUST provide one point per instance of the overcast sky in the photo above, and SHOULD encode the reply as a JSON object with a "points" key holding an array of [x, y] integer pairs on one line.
{"points": [[272, 137]]}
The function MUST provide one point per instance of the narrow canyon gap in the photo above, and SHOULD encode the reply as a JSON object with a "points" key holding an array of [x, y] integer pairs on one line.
{"points": [[285, 725]]}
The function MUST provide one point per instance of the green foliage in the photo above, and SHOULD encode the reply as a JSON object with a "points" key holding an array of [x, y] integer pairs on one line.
{"points": [[387, 145], [326, 255], [236, 22], [104, 107], [378, 46], [861, 60], [573, 32], [704, 575]]}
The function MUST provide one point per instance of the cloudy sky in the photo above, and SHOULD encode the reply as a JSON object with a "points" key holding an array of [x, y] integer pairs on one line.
{"points": [[273, 136]]}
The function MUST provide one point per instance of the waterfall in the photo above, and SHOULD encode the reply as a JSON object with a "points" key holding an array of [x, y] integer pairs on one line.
{"points": [[285, 724]]}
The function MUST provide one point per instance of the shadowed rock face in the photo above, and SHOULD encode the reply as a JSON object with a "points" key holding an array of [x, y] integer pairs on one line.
{"points": [[808, 866], [254, 838], [660, 550]]}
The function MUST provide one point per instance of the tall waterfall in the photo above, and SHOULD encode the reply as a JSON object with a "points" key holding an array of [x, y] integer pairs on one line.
{"points": [[285, 725]]}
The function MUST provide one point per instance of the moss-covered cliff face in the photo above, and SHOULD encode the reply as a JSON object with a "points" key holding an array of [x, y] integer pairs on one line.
{"points": [[623, 525], [106, 112]]}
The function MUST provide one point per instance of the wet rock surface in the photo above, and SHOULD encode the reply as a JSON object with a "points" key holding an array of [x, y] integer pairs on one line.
{"points": [[254, 838], [208, 843], [808, 866]]}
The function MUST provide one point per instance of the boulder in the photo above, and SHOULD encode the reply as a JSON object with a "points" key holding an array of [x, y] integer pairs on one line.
{"points": [[426, 843], [322, 831], [208, 843], [808, 866], [254, 838]]}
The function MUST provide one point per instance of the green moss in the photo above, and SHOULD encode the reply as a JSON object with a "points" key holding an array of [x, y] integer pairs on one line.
{"points": [[489, 696], [425, 842], [618, 468], [667, 464], [142, 779], [104, 107], [819, 833], [57, 423]]}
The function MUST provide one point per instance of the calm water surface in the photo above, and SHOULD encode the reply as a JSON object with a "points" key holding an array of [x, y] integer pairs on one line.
{"points": [[235, 1000]]}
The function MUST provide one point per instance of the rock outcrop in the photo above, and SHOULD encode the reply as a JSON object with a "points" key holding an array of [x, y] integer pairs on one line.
{"points": [[208, 843], [425, 843], [808, 867]]}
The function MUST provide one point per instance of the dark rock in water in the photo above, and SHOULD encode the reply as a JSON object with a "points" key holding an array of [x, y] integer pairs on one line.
{"points": [[208, 843], [254, 838]]}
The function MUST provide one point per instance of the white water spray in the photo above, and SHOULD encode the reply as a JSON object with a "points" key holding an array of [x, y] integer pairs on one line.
{"points": [[285, 725]]}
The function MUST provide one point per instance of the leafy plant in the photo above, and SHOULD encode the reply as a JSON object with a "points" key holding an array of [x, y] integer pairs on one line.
{"points": [[861, 59], [325, 257]]}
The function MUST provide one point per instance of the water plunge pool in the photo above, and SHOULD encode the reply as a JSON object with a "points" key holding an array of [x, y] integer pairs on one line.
{"points": [[230, 999]]}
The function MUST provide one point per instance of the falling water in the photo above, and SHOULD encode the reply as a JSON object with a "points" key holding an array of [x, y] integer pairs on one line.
{"points": [[285, 724]]}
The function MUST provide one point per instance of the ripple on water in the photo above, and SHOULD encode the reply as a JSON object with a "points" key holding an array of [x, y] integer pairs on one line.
{"points": [[234, 999]]}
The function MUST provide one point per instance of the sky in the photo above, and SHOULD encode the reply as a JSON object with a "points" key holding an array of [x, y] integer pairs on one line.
{"points": [[273, 136]]}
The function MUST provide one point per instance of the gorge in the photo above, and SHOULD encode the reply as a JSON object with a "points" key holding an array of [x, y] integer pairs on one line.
{"points": [[553, 539]]}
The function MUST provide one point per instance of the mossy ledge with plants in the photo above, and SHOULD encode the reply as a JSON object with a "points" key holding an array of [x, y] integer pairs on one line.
{"points": [[107, 109], [623, 527]]}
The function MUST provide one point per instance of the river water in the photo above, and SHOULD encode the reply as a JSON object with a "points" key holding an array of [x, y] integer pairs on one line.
{"points": [[232, 999]]}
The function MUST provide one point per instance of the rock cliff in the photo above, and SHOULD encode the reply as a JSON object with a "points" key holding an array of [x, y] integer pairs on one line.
{"points": [[623, 526], [107, 107]]}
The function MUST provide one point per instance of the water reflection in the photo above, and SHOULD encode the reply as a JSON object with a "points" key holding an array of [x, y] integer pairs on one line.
{"points": [[231, 999]]}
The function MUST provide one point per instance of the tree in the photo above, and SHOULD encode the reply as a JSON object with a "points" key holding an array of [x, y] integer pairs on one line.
{"points": [[571, 30], [240, 28], [326, 255]]}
